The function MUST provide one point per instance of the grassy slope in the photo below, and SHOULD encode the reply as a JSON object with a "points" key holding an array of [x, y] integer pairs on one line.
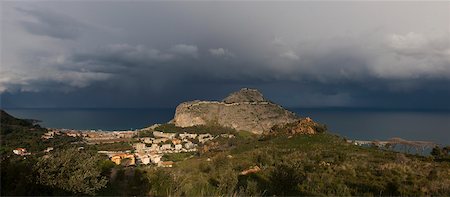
{"points": [[325, 164]]}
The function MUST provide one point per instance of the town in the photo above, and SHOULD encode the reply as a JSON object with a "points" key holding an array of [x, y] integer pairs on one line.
{"points": [[145, 151]]}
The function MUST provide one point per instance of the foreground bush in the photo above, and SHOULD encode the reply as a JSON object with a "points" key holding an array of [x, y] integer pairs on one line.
{"points": [[71, 170]]}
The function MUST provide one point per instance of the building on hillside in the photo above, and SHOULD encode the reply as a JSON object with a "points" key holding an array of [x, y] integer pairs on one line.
{"points": [[202, 138], [119, 157], [155, 158], [176, 141], [73, 134], [188, 135], [189, 145], [142, 158], [154, 147], [140, 147], [145, 160], [166, 147], [48, 135], [165, 164], [48, 149], [21, 151], [126, 134], [146, 140], [178, 147], [227, 135]]}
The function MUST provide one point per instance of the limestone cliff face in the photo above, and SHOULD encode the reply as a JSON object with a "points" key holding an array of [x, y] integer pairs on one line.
{"points": [[246, 110]]}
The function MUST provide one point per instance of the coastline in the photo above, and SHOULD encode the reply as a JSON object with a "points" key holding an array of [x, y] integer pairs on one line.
{"points": [[349, 123]]}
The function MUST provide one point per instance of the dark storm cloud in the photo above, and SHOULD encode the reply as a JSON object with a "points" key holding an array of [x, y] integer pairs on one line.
{"points": [[49, 23], [148, 56]]}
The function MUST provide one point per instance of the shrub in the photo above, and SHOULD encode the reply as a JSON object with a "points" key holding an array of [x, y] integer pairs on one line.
{"points": [[71, 170], [286, 177], [162, 183]]}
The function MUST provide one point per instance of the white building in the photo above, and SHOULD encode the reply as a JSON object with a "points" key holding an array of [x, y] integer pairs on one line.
{"points": [[21, 151], [188, 135], [154, 147], [140, 147], [166, 147], [146, 140], [155, 158], [227, 135], [165, 164], [178, 147], [48, 149], [189, 145], [202, 138], [144, 159]]}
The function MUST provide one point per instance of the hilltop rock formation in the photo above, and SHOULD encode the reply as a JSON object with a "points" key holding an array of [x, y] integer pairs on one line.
{"points": [[245, 95], [246, 110]]}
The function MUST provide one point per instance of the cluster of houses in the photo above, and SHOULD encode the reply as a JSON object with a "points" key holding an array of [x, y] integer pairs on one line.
{"points": [[174, 143], [150, 150], [108, 135], [92, 136], [137, 158], [50, 134]]}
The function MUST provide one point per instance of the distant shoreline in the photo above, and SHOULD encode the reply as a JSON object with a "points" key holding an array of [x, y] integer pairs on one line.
{"points": [[351, 123]]}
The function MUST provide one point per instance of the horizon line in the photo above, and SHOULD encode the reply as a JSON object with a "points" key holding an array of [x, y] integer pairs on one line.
{"points": [[289, 107]]}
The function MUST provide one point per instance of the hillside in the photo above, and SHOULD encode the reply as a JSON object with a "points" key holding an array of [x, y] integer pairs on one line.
{"points": [[20, 133], [8, 121], [297, 165], [245, 110], [299, 158], [17, 133]]}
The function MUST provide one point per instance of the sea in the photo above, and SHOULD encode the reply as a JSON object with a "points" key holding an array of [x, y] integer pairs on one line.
{"points": [[360, 124]]}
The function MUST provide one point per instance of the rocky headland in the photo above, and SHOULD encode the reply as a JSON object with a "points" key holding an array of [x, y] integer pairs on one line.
{"points": [[246, 109]]}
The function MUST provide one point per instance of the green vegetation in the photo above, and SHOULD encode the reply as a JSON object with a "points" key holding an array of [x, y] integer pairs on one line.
{"points": [[212, 129], [145, 133], [441, 154], [64, 172], [71, 170], [126, 182], [312, 165], [291, 127], [17, 133], [320, 164]]}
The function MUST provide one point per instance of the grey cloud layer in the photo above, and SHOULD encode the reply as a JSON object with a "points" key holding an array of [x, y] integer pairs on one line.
{"points": [[281, 46], [52, 24]]}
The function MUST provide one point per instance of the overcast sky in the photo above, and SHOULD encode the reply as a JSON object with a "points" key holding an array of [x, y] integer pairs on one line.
{"points": [[157, 54]]}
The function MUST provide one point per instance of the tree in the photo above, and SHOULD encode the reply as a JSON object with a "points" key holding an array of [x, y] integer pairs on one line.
{"points": [[441, 154], [71, 170]]}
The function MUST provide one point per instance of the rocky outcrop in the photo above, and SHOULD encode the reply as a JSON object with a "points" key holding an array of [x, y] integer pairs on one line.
{"points": [[246, 110], [245, 95], [300, 126]]}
